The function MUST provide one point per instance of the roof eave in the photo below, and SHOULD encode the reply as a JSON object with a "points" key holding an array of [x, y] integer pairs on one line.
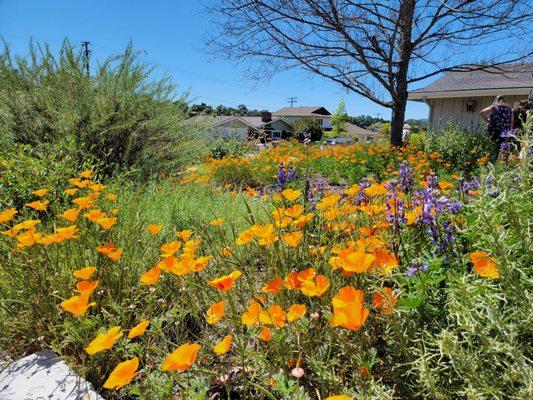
{"points": [[424, 95]]}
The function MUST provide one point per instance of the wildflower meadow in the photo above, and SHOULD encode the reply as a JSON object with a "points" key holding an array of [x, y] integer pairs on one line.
{"points": [[363, 272]]}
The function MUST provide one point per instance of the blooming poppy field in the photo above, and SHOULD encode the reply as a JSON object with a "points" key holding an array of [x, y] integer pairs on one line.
{"points": [[299, 273]]}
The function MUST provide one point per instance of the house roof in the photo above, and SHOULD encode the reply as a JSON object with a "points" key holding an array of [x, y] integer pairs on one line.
{"points": [[302, 111], [352, 129], [506, 79], [254, 122]]}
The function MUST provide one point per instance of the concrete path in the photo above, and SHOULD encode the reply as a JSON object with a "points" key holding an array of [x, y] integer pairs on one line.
{"points": [[43, 376]]}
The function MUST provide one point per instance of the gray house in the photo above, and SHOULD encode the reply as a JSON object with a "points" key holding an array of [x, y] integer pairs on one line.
{"points": [[458, 97]]}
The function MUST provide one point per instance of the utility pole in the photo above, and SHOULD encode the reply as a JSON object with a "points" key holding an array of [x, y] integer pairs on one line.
{"points": [[86, 53], [292, 100]]}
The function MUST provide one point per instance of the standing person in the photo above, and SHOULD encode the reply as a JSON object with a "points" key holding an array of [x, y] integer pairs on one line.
{"points": [[406, 133], [499, 118], [520, 114]]}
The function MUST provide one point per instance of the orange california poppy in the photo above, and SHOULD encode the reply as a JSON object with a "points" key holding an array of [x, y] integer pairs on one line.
{"points": [[123, 374], [154, 229], [182, 358], [273, 286], [7, 215], [169, 249], [150, 277], [385, 301], [484, 265], [77, 305], [110, 251], [275, 315], [296, 311], [104, 341], [139, 329], [40, 205], [184, 235], [265, 335], [215, 313], [217, 222], [70, 215], [225, 283], [84, 273], [106, 222], [355, 259], [87, 287], [251, 315], [244, 237], [316, 287], [223, 346], [291, 194], [292, 239], [348, 310], [40, 192]]}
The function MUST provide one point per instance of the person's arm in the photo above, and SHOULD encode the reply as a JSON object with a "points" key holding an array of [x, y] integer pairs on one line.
{"points": [[485, 113]]}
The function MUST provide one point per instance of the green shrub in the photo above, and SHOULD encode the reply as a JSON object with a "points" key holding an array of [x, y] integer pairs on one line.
{"points": [[120, 116], [24, 169], [232, 146], [461, 148], [307, 125]]}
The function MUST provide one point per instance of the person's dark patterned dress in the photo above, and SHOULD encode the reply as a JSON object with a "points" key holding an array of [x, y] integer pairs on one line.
{"points": [[499, 121]]}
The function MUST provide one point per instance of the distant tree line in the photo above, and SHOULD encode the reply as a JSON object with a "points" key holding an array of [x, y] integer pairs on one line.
{"points": [[240, 110]]}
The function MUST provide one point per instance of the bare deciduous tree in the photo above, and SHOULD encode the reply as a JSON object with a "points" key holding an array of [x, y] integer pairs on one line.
{"points": [[375, 48]]}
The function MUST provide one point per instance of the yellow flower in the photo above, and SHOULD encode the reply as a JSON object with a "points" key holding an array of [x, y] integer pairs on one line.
{"points": [[182, 358], [348, 310], [40, 192], [7, 215], [139, 329], [122, 374], [293, 239], [291, 194], [104, 341], [87, 287], [111, 197], [154, 229], [339, 397], [40, 205], [223, 346]]}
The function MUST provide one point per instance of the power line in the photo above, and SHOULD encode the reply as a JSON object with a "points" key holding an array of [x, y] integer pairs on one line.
{"points": [[292, 100], [86, 53]]}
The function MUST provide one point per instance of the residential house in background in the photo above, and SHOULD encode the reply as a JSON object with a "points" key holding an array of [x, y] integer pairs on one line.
{"points": [[251, 127], [278, 125], [458, 97]]}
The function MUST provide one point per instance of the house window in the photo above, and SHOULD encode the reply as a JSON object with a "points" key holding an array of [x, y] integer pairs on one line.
{"points": [[470, 106], [276, 135]]}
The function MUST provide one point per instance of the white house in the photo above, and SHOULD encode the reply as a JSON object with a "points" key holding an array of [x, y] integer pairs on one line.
{"points": [[278, 125], [458, 97], [247, 127], [291, 114]]}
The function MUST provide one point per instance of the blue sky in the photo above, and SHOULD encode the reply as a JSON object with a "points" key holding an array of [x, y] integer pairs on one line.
{"points": [[170, 32]]}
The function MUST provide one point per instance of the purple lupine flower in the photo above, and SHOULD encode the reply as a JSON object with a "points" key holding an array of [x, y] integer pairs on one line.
{"points": [[433, 181], [284, 176], [395, 207], [361, 196], [416, 267], [406, 177], [317, 187]]}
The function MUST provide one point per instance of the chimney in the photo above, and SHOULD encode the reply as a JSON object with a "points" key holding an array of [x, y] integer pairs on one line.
{"points": [[266, 116]]}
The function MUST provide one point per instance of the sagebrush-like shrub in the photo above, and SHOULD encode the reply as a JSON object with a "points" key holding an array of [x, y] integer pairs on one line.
{"points": [[120, 116]]}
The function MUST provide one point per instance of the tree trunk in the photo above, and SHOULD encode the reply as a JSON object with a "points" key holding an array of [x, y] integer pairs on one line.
{"points": [[405, 48], [397, 121]]}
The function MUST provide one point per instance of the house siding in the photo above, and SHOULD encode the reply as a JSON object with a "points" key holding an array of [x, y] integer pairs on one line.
{"points": [[453, 110]]}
